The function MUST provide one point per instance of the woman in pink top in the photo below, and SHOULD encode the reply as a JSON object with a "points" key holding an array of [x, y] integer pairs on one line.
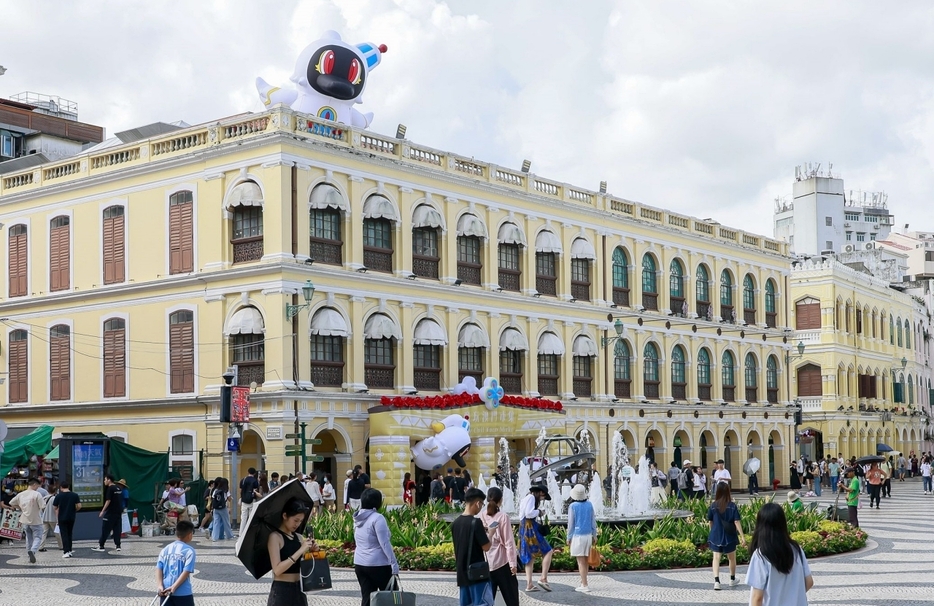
{"points": [[502, 553]]}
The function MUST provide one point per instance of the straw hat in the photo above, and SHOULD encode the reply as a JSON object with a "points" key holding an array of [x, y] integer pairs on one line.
{"points": [[579, 493], [122, 482], [792, 496]]}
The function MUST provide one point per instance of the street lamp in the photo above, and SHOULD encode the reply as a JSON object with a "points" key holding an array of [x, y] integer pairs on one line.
{"points": [[308, 292]]}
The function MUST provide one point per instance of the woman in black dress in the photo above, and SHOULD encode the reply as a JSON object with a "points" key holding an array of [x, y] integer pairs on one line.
{"points": [[793, 472]]}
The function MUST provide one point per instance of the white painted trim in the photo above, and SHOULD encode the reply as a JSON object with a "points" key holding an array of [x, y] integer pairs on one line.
{"points": [[193, 308], [127, 351], [118, 434], [124, 202], [70, 213], [192, 458], [27, 221], [169, 191], [243, 177], [71, 359]]}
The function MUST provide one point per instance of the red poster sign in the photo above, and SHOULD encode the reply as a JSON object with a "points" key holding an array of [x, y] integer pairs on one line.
{"points": [[240, 405]]}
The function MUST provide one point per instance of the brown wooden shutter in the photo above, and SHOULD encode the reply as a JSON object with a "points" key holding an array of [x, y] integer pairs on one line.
{"points": [[115, 363], [60, 258], [810, 383], [18, 263], [18, 356], [60, 363], [182, 356], [807, 316], [181, 245], [114, 258]]}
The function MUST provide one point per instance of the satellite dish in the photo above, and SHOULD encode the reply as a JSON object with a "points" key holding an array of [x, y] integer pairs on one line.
{"points": [[3, 430]]}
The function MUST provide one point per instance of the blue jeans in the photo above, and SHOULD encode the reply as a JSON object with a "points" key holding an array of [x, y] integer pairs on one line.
{"points": [[478, 594], [926, 481], [221, 526], [817, 485], [833, 482]]}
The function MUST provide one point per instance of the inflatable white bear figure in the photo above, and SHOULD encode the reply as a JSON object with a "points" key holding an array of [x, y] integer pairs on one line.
{"points": [[451, 441], [330, 76]]}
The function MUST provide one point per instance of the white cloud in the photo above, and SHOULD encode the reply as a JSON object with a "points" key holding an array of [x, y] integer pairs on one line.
{"points": [[702, 107]]}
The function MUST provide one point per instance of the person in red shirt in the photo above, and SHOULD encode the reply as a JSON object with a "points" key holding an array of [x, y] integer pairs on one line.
{"points": [[408, 490], [875, 477]]}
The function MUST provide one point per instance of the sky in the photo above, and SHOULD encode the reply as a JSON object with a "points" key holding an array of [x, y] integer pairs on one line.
{"points": [[700, 107]]}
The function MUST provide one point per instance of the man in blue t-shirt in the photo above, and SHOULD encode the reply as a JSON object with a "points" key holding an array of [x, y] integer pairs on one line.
{"points": [[175, 566]]}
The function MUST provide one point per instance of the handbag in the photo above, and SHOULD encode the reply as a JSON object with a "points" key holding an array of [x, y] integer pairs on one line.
{"points": [[478, 571], [594, 559], [544, 529], [389, 597], [316, 572]]}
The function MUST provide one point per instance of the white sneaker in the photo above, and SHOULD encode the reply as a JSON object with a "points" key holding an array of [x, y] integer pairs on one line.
{"points": [[583, 589], [716, 585], [734, 582], [98, 549]]}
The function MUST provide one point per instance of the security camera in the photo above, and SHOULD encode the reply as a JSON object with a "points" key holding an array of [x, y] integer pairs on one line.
{"points": [[229, 376]]}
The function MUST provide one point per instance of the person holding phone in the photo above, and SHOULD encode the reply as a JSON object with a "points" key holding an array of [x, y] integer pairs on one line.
{"points": [[286, 548], [502, 553]]}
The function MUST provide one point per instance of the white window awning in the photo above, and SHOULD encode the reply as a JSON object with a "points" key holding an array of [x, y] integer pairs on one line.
{"points": [[380, 207], [550, 345], [547, 242], [381, 326], [510, 233], [247, 193], [425, 215], [584, 346], [513, 340], [327, 196], [472, 335], [247, 321], [582, 249], [328, 322], [429, 332], [471, 225]]}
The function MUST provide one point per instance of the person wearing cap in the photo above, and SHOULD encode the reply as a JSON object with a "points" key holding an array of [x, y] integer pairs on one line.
{"points": [[582, 532], [794, 501], [721, 474], [531, 541], [685, 481], [851, 485]]}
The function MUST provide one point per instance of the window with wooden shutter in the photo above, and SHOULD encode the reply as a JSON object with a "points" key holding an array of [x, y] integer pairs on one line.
{"points": [[60, 362], [810, 383], [60, 254], [182, 352], [115, 358], [807, 315], [181, 233], [18, 261], [18, 357], [114, 241]]}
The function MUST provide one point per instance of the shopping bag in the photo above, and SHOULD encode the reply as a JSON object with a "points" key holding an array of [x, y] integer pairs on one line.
{"points": [[388, 597], [594, 559], [316, 572], [126, 523]]}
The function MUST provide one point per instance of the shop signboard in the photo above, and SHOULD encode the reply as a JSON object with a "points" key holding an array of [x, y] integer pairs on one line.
{"points": [[87, 473], [10, 527], [240, 405]]}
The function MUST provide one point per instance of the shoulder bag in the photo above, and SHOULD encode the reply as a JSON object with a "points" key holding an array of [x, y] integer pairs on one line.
{"points": [[478, 571]]}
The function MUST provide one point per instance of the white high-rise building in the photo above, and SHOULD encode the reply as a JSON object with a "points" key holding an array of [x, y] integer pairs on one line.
{"points": [[824, 218]]}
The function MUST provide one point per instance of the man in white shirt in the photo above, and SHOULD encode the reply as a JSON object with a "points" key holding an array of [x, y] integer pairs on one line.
{"points": [[926, 475], [314, 492], [722, 474], [31, 504]]}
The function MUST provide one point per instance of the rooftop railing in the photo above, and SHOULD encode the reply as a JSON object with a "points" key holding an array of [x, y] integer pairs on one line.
{"points": [[283, 120]]}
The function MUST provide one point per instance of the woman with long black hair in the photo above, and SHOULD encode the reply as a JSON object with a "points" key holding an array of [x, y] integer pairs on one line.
{"points": [[502, 553], [286, 549], [778, 573], [726, 531]]}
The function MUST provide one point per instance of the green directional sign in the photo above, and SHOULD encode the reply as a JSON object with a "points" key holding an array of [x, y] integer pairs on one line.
{"points": [[314, 458], [293, 452], [314, 442], [292, 436]]}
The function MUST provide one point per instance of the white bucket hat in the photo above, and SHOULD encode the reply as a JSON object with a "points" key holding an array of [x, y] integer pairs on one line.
{"points": [[579, 493]]}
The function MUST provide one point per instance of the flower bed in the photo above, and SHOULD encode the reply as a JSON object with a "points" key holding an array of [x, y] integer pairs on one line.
{"points": [[423, 541]]}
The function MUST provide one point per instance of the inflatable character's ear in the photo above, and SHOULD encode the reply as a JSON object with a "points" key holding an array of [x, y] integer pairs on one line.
{"points": [[437, 427], [459, 456]]}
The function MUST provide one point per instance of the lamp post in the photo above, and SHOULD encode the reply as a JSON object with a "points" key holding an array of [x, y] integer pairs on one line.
{"points": [[796, 403], [308, 292]]}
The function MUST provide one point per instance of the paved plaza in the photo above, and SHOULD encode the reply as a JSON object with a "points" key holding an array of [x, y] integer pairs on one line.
{"points": [[894, 568]]}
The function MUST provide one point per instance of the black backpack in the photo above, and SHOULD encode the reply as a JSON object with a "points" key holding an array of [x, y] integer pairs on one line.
{"points": [[218, 500], [437, 489]]}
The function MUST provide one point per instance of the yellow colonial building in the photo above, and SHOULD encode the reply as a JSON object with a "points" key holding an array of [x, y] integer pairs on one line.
{"points": [[863, 378], [140, 270]]}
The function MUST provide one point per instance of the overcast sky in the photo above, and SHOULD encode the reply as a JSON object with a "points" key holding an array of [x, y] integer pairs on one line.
{"points": [[704, 108]]}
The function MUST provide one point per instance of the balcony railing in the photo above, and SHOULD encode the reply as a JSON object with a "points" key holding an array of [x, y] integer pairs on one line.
{"points": [[379, 376], [468, 273], [548, 386], [476, 374], [772, 395], [248, 373], [679, 391], [621, 296], [511, 383], [703, 393], [770, 317], [327, 374], [580, 291], [582, 387], [509, 279], [247, 249], [729, 393], [651, 390], [547, 285], [703, 310], [726, 314], [749, 317], [425, 267], [752, 394], [428, 379], [326, 251], [650, 301], [677, 306], [622, 389], [377, 259]]}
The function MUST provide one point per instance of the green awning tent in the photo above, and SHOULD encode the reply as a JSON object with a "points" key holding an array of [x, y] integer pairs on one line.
{"points": [[144, 471], [18, 451], [52, 456]]}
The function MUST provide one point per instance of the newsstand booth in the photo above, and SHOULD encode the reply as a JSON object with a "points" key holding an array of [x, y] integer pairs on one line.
{"points": [[84, 460]]}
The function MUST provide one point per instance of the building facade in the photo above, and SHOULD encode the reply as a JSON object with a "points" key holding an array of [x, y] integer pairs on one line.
{"points": [[138, 273], [864, 376]]}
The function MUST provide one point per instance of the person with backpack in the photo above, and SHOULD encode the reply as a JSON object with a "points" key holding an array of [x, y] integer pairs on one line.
{"points": [[685, 481], [220, 501], [249, 487], [437, 489]]}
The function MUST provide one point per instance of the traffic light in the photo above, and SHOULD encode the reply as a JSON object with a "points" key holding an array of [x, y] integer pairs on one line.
{"points": [[799, 417]]}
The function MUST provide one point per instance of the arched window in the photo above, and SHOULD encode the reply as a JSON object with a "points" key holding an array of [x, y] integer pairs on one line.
{"points": [[911, 390], [622, 364], [60, 362], [328, 334], [246, 203], [114, 245], [727, 313], [512, 347], [620, 277], [771, 379], [702, 293], [181, 233], [810, 382], [703, 375], [770, 307], [18, 261], [650, 371], [859, 319], [472, 342], [248, 346], [426, 234], [511, 242], [550, 350], [547, 248], [182, 352], [899, 328], [649, 282], [907, 334], [892, 330], [471, 234], [18, 359], [429, 340], [749, 300], [751, 379], [678, 374], [379, 351], [60, 253], [115, 358], [728, 376], [676, 288], [324, 222]]}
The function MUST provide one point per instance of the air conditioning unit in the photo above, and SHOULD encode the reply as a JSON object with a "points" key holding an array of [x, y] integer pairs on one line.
{"points": [[870, 245], [848, 248]]}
